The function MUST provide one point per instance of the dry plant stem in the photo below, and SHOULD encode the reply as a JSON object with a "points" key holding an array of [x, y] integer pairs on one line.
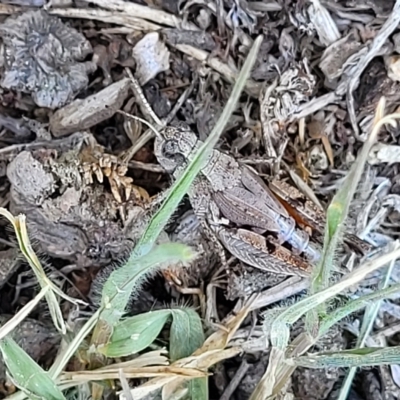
{"points": [[139, 11], [125, 385], [275, 378], [235, 381], [198, 362], [23, 313], [380, 39], [144, 372], [141, 99], [143, 366], [66, 142], [252, 88], [291, 286], [111, 17], [146, 166], [299, 346], [264, 387], [316, 104], [387, 331]]}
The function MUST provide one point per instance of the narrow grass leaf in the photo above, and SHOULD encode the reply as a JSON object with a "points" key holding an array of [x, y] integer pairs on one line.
{"points": [[336, 216], [135, 333], [28, 375], [355, 305], [370, 315], [295, 312], [364, 357], [183, 183], [21, 232], [339, 208]]}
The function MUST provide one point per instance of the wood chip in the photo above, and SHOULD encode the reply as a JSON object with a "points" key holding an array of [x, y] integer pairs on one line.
{"points": [[83, 114]]}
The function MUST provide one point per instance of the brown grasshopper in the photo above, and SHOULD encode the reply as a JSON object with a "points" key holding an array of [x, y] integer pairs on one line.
{"points": [[236, 206]]}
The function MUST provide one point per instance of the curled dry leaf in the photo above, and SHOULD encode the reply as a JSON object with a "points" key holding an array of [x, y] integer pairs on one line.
{"points": [[41, 57], [151, 56], [281, 101]]}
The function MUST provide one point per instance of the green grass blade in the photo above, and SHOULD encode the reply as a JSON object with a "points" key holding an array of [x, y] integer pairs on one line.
{"points": [[182, 185], [280, 336], [339, 208], [365, 357], [355, 305], [186, 337], [336, 216], [135, 333], [370, 315], [66, 353], [26, 374]]}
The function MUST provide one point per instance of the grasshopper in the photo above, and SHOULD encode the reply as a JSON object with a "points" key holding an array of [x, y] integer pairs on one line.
{"points": [[236, 207]]}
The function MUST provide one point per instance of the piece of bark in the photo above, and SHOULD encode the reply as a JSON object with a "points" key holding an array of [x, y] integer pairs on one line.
{"points": [[83, 114]]}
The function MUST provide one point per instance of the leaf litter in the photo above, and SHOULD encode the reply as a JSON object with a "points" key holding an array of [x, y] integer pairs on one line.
{"points": [[85, 174]]}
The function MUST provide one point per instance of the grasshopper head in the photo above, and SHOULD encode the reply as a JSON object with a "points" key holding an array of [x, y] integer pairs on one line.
{"points": [[174, 146]]}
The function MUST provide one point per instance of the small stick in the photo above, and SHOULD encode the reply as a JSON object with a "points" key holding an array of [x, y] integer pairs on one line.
{"points": [[234, 383]]}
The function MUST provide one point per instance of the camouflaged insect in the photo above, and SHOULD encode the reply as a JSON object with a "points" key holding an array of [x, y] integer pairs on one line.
{"points": [[247, 217], [230, 197]]}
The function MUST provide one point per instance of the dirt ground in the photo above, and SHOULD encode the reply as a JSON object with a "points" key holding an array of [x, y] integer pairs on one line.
{"points": [[86, 174]]}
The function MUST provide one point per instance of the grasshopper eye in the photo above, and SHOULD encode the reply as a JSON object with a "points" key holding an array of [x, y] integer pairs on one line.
{"points": [[173, 151], [170, 149]]}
